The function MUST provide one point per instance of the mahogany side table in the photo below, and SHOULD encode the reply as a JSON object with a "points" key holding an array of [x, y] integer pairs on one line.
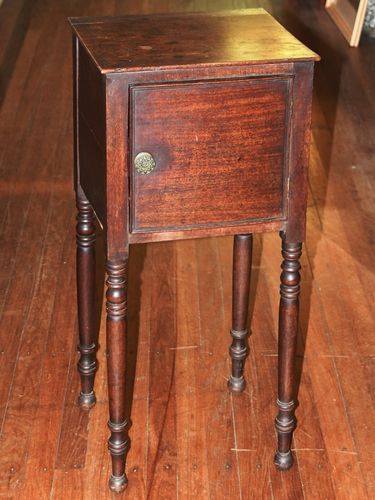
{"points": [[189, 125]]}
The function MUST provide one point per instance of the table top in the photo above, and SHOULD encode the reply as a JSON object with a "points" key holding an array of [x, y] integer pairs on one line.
{"points": [[144, 42]]}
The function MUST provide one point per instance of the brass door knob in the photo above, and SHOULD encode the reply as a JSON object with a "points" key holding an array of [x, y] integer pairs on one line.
{"points": [[144, 163]]}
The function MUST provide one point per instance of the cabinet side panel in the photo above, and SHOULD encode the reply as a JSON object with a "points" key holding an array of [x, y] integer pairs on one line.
{"points": [[75, 46], [92, 169], [90, 117], [91, 93], [299, 152]]}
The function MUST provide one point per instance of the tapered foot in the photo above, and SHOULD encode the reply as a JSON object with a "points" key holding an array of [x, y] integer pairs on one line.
{"points": [[283, 461], [236, 384], [285, 421], [242, 251], [87, 346], [116, 347], [87, 400], [118, 484]]}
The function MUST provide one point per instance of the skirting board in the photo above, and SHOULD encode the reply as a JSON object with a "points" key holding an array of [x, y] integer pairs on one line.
{"points": [[348, 19]]}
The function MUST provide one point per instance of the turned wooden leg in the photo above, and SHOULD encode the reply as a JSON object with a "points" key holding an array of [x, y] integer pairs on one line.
{"points": [[85, 232], [242, 253], [116, 338], [288, 327]]}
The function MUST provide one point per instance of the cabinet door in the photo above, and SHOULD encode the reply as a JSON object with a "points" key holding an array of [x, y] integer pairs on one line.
{"points": [[220, 153]]}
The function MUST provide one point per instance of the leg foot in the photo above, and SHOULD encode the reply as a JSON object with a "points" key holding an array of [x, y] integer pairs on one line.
{"points": [[283, 461], [87, 364], [242, 252], [116, 343], [285, 422], [236, 384], [118, 484], [87, 400]]}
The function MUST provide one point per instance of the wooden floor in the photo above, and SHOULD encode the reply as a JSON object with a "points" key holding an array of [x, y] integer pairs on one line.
{"points": [[190, 437]]}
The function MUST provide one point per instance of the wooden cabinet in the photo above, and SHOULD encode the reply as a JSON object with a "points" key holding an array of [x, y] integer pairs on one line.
{"points": [[188, 126]]}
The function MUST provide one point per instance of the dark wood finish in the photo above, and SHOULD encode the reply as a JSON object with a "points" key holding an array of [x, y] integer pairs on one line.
{"points": [[92, 161], [227, 134], [151, 42], [189, 437], [295, 226], [90, 124], [242, 257], [86, 300], [117, 177], [288, 329], [214, 144], [116, 306], [91, 92]]}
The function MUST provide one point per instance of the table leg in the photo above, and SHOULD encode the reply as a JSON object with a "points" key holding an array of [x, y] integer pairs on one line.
{"points": [[116, 344], [285, 422], [87, 365], [242, 254]]}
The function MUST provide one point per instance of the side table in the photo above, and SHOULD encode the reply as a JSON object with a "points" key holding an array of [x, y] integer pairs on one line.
{"points": [[188, 126]]}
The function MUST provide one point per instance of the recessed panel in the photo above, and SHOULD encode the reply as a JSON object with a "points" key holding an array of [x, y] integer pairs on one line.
{"points": [[218, 153]]}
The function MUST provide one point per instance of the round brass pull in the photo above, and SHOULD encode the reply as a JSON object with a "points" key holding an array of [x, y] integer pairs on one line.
{"points": [[144, 163]]}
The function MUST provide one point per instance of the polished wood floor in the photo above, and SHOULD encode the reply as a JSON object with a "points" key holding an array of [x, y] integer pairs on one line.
{"points": [[190, 437]]}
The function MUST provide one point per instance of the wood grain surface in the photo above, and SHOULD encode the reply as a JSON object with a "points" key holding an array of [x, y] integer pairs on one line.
{"points": [[190, 437], [215, 38], [228, 137]]}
